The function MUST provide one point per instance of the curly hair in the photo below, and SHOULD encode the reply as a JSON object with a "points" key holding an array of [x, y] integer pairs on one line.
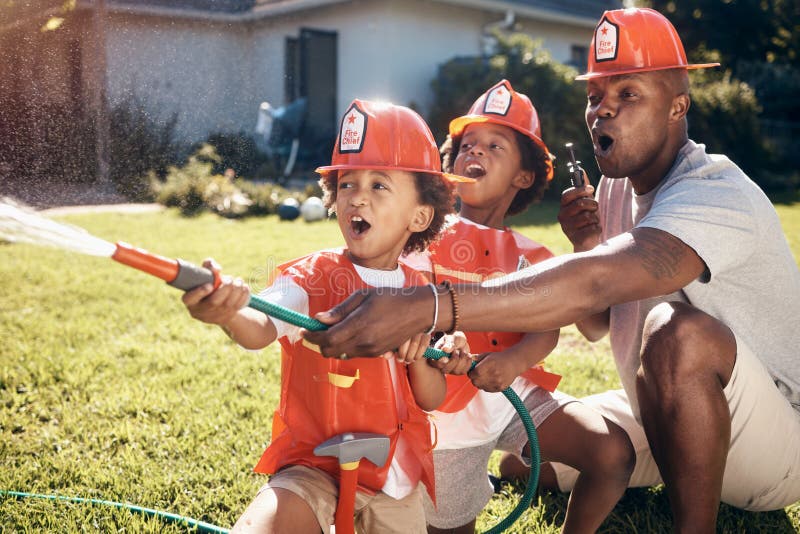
{"points": [[533, 158], [432, 190]]}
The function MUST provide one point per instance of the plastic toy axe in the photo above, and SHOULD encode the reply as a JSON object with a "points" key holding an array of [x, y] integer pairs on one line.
{"points": [[349, 449]]}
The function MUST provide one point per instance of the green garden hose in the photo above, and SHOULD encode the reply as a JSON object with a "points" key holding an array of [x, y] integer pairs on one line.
{"points": [[188, 522]]}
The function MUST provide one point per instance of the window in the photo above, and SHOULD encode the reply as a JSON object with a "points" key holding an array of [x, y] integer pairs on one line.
{"points": [[578, 57]]}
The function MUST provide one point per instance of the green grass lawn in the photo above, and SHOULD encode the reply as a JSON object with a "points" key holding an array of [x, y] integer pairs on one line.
{"points": [[109, 390]]}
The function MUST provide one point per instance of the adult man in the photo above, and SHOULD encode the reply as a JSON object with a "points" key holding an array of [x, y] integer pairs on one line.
{"points": [[694, 278]]}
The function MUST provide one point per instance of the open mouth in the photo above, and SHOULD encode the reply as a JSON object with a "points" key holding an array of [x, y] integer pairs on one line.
{"points": [[605, 142], [474, 170], [359, 225]]}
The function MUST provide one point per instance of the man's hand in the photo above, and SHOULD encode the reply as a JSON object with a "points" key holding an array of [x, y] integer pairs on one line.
{"points": [[373, 321], [579, 218]]}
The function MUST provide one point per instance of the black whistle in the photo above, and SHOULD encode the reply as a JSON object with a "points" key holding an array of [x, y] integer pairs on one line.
{"points": [[574, 167]]}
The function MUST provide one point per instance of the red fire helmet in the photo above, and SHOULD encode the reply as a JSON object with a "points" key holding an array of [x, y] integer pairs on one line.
{"points": [[383, 136], [635, 40], [501, 104]]}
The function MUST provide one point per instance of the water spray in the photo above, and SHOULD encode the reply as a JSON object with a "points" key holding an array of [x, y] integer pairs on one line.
{"points": [[18, 225]]}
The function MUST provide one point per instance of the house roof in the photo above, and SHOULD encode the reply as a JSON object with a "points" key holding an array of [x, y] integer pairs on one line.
{"points": [[580, 12], [582, 8]]}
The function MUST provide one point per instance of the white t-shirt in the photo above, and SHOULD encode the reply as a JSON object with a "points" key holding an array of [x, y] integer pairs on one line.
{"points": [[752, 283], [285, 292]]}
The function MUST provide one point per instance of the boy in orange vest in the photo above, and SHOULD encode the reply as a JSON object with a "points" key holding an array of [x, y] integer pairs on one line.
{"points": [[386, 186], [499, 144]]}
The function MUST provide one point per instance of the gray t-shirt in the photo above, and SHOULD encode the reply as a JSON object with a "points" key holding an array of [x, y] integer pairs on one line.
{"points": [[752, 283]]}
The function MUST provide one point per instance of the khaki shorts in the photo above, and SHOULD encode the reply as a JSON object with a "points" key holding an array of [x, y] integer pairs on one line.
{"points": [[377, 513], [762, 471]]}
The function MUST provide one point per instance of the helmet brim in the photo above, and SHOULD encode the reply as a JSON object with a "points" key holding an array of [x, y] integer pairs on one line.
{"points": [[606, 74], [459, 124], [453, 178]]}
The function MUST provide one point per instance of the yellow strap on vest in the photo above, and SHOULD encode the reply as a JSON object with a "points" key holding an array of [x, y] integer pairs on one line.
{"points": [[311, 346], [349, 466], [343, 381]]}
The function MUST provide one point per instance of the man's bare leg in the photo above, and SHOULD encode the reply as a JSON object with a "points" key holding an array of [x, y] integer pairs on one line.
{"points": [[687, 359]]}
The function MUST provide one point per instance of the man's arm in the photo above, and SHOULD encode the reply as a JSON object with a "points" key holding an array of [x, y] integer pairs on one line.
{"points": [[640, 264], [579, 218], [595, 327], [643, 263]]}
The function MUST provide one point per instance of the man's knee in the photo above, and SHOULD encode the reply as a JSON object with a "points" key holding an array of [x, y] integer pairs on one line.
{"points": [[680, 341]]}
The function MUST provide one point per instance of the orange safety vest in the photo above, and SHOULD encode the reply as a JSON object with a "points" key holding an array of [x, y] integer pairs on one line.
{"points": [[472, 253], [323, 397]]}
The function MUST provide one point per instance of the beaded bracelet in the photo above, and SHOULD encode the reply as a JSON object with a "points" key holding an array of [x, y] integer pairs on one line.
{"points": [[454, 301]]}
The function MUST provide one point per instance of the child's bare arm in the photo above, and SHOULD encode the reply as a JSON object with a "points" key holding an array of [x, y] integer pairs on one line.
{"points": [[427, 384], [497, 370], [226, 307]]}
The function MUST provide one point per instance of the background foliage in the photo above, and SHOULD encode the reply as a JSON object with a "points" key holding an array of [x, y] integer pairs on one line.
{"points": [[759, 44]]}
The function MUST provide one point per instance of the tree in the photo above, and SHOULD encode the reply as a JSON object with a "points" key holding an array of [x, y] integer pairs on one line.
{"points": [[742, 30]]}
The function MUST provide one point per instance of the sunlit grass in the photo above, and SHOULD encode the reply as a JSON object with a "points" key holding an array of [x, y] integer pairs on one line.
{"points": [[109, 390]]}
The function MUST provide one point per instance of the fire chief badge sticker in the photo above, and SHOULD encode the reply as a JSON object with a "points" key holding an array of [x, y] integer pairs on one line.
{"points": [[606, 41], [354, 128], [498, 100]]}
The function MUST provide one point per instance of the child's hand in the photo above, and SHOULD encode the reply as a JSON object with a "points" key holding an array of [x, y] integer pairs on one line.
{"points": [[217, 306], [450, 343], [459, 361], [413, 349], [493, 372]]}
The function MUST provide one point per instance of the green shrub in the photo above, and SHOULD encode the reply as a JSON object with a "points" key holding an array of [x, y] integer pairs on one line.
{"points": [[139, 144], [265, 197], [184, 187], [195, 187], [724, 116], [237, 151]]}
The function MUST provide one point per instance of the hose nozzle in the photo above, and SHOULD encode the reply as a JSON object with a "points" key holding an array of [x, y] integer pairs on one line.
{"points": [[177, 273], [574, 167]]}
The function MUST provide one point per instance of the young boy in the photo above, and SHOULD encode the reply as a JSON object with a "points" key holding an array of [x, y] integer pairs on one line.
{"points": [[498, 143], [386, 186]]}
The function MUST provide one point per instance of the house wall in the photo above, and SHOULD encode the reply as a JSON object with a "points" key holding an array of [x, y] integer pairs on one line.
{"points": [[214, 75], [202, 71]]}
